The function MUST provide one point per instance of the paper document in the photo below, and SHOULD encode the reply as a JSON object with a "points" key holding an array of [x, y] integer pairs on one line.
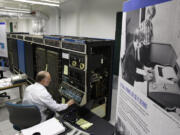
{"points": [[84, 124], [6, 82], [169, 72], [49, 127]]}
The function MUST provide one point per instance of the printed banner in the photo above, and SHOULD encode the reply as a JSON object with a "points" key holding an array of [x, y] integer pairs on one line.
{"points": [[149, 82], [3, 40], [136, 4]]}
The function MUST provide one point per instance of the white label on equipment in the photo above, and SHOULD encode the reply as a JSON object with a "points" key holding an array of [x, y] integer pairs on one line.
{"points": [[65, 55]]}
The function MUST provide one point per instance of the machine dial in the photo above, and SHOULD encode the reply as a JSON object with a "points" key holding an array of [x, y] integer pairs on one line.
{"points": [[82, 66]]}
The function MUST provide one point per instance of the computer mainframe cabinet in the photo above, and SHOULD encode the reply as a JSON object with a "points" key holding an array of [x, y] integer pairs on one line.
{"points": [[87, 73]]}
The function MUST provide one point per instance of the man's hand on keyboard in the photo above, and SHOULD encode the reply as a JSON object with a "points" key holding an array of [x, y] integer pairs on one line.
{"points": [[70, 102]]}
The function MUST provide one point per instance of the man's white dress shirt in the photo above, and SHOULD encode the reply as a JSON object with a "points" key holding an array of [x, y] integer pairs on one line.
{"points": [[37, 94]]}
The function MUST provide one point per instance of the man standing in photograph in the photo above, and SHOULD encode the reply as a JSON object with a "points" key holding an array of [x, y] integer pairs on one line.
{"points": [[146, 27]]}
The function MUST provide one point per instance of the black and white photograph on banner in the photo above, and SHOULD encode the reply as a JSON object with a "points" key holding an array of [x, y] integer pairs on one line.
{"points": [[150, 60]]}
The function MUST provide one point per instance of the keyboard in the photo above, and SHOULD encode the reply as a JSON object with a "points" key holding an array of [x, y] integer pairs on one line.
{"points": [[72, 114]]}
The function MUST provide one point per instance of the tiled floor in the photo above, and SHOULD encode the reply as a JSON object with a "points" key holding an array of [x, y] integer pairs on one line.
{"points": [[7, 129], [3, 114]]}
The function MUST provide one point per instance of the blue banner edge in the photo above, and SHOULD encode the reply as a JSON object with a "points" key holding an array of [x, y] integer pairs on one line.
{"points": [[137, 4]]}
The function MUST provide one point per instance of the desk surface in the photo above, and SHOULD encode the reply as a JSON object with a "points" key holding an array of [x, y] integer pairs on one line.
{"points": [[100, 126], [12, 86], [166, 99]]}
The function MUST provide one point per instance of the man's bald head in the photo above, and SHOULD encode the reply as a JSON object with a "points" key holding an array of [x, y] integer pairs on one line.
{"points": [[43, 77]]}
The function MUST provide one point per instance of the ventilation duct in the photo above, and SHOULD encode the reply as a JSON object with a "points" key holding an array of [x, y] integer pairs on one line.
{"points": [[14, 15]]}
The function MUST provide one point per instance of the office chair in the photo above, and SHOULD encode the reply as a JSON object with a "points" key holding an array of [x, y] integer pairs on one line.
{"points": [[4, 94], [23, 116], [1, 73]]}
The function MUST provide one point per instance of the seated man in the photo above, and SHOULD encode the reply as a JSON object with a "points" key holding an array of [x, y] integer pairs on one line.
{"points": [[37, 94], [133, 61]]}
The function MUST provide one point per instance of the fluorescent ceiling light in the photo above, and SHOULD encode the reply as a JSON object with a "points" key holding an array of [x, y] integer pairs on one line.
{"points": [[19, 9], [15, 11], [51, 1], [38, 2]]}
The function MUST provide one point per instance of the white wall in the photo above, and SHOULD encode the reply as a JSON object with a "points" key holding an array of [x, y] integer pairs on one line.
{"points": [[69, 17], [15, 22], [52, 25], [92, 18], [23, 25]]}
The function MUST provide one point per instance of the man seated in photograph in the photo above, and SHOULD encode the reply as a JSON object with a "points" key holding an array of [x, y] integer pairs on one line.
{"points": [[133, 61], [37, 94]]}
